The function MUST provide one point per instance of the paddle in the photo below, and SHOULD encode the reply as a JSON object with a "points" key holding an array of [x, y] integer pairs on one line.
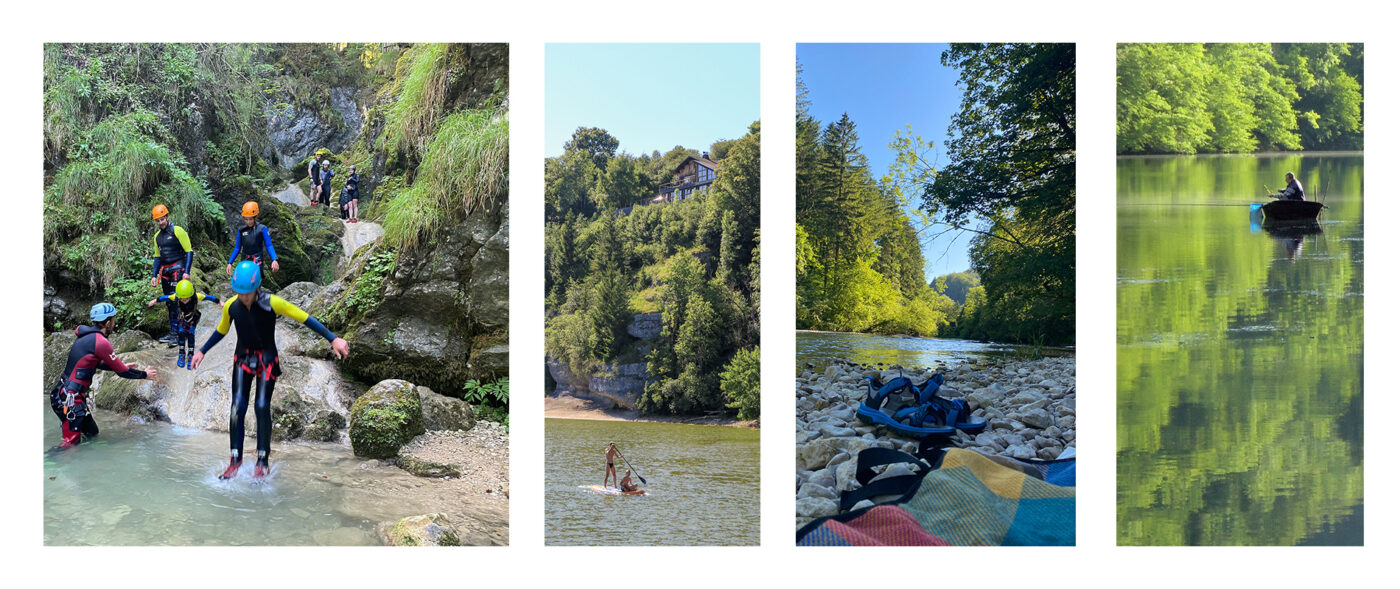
{"points": [[634, 469]]}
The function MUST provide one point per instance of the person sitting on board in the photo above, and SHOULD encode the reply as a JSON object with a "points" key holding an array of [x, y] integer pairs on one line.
{"points": [[610, 452], [1293, 189], [627, 485]]}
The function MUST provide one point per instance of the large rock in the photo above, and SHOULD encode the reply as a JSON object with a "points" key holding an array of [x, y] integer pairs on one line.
{"points": [[488, 296], [445, 413], [56, 347], [432, 529], [294, 133], [620, 383], [385, 418], [645, 326]]}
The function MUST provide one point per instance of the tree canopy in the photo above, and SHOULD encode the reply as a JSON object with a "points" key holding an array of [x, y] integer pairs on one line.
{"points": [[1238, 97]]}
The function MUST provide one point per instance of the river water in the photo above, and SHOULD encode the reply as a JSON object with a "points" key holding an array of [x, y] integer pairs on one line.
{"points": [[821, 348], [702, 484], [1239, 354], [157, 484]]}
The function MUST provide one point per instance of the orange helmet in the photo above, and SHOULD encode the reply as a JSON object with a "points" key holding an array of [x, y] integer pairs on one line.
{"points": [[250, 209], [159, 211]]}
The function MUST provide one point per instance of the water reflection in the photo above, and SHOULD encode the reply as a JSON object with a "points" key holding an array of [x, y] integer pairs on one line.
{"points": [[1239, 362]]}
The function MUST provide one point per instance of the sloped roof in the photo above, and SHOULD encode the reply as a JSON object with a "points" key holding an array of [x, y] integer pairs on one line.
{"points": [[707, 162]]}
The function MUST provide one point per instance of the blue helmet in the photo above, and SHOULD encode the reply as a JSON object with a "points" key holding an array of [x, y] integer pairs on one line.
{"points": [[247, 276], [101, 312]]}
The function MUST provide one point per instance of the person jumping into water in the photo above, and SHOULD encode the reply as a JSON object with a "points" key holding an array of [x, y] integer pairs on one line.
{"points": [[254, 313], [88, 354], [174, 259], [187, 303], [609, 453], [252, 242]]}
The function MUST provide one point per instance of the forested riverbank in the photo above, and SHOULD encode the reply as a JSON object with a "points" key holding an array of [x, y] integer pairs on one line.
{"points": [[1239, 97], [652, 275]]}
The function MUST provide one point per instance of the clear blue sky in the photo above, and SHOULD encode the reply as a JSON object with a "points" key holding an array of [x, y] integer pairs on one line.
{"points": [[884, 87], [650, 96]]}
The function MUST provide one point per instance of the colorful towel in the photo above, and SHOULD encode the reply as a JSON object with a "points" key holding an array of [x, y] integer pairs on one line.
{"points": [[970, 500]]}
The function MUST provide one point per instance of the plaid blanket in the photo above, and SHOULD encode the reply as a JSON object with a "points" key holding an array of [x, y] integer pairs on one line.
{"points": [[969, 500]]}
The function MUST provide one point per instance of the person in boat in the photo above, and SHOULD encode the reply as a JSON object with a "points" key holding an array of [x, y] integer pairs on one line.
{"points": [[187, 302], [173, 260], [627, 485], [254, 313], [610, 453], [1292, 190], [92, 351], [252, 242]]}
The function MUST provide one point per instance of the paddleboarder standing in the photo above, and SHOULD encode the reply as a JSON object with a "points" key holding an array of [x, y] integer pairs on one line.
{"points": [[610, 453]]}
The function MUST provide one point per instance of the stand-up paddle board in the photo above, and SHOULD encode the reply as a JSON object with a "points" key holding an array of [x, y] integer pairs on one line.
{"points": [[612, 490]]}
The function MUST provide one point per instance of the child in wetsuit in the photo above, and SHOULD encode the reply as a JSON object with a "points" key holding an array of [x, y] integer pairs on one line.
{"points": [[186, 318]]}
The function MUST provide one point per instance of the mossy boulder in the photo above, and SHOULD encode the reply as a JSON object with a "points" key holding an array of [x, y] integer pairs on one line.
{"points": [[385, 418], [131, 341], [432, 529]]}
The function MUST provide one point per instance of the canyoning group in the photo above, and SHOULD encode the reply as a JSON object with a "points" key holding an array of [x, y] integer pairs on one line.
{"points": [[319, 171], [252, 312]]}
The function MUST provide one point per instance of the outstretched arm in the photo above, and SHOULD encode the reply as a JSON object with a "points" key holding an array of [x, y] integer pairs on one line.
{"points": [[237, 247], [339, 346], [110, 361]]}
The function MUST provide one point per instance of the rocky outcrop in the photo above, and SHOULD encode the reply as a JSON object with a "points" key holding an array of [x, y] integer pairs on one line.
{"points": [[385, 418], [618, 385], [297, 131], [645, 326], [55, 308], [437, 316]]}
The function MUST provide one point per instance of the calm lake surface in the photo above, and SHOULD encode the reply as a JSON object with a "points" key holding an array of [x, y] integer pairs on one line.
{"points": [[1239, 354], [702, 484], [821, 348]]}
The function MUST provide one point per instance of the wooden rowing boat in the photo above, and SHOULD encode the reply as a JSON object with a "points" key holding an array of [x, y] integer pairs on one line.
{"points": [[1292, 210]]}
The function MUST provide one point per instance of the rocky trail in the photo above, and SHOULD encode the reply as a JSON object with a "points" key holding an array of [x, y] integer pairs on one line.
{"points": [[293, 195], [359, 234]]}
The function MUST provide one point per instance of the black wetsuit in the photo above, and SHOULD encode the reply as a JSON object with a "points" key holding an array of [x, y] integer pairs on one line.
{"points": [[188, 316], [172, 261], [255, 362], [68, 397], [252, 244]]}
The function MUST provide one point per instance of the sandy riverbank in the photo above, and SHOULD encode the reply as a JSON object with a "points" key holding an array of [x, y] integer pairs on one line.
{"points": [[569, 407]]}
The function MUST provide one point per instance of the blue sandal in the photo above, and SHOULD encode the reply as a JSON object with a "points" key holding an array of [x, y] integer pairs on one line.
{"points": [[880, 409], [951, 412]]}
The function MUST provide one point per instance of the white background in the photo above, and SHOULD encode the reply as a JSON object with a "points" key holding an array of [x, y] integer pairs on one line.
{"points": [[1094, 26]]}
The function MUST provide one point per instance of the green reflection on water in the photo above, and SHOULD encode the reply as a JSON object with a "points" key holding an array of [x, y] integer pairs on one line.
{"points": [[1239, 355]]}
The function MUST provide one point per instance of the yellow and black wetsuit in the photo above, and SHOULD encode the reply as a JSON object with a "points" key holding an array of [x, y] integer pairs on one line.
{"points": [[173, 257], [255, 359]]}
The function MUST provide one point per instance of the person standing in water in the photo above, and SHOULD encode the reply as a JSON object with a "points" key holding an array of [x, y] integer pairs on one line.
{"points": [[1292, 189], [254, 313], [88, 354], [253, 241], [609, 454], [187, 303], [174, 257]]}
